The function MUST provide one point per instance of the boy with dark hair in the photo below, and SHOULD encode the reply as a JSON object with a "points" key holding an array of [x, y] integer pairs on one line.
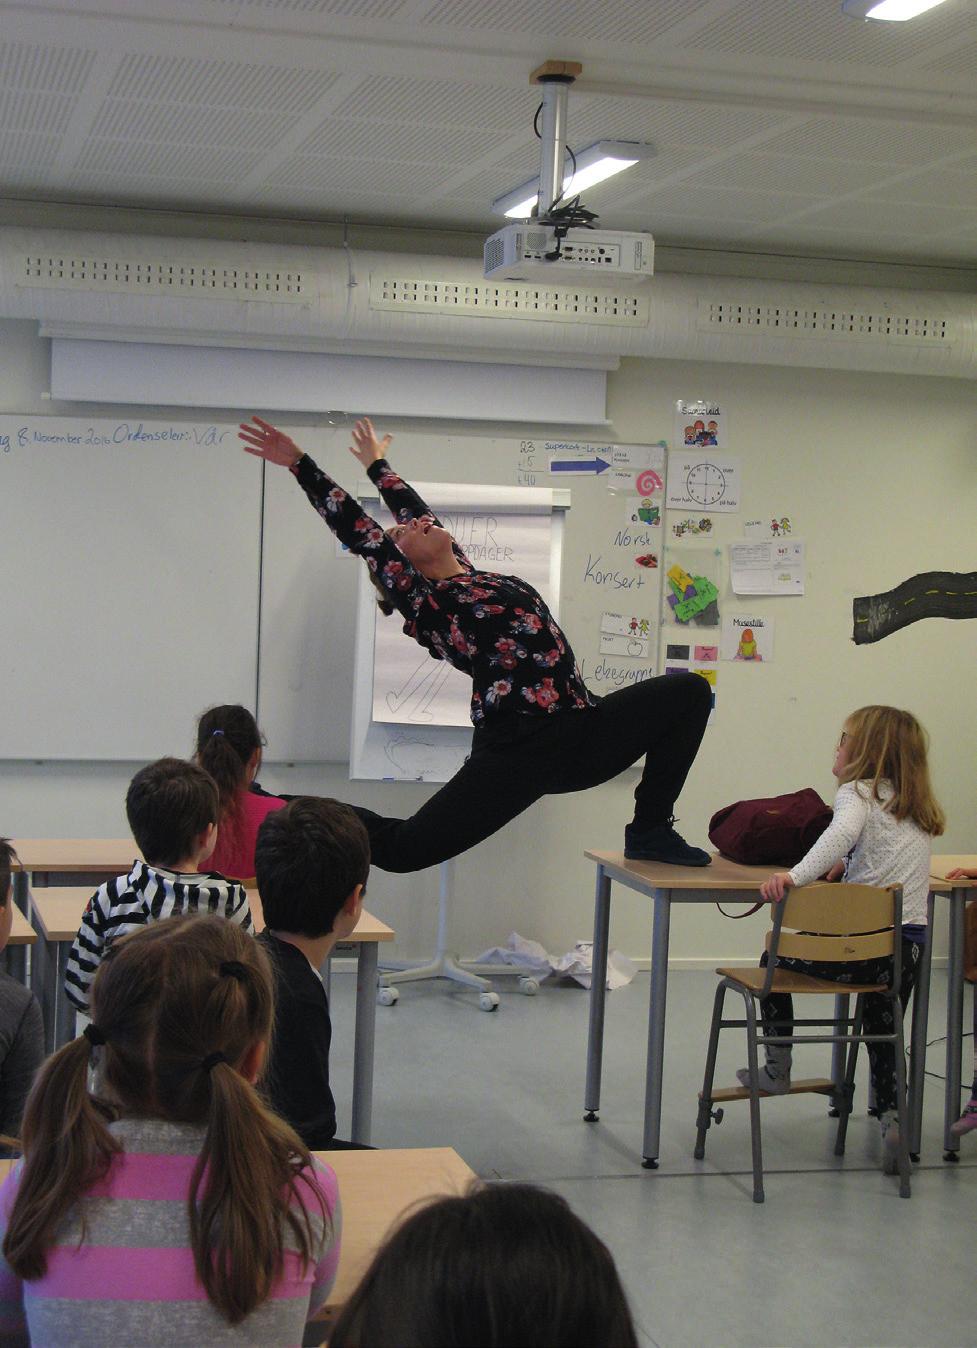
{"points": [[21, 1027], [172, 808], [312, 860]]}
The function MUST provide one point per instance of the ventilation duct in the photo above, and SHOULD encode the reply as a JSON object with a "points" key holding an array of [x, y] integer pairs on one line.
{"points": [[206, 292]]}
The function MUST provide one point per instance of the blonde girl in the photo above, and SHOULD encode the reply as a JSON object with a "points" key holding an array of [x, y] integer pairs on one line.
{"points": [[885, 817], [170, 1206]]}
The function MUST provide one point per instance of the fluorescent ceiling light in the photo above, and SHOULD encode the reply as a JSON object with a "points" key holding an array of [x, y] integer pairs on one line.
{"points": [[894, 10], [594, 164]]}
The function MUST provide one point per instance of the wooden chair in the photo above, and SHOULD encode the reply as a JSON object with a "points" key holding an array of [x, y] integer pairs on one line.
{"points": [[822, 922]]}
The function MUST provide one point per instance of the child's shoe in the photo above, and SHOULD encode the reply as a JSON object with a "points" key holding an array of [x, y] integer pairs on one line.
{"points": [[967, 1120], [773, 1082], [890, 1144]]}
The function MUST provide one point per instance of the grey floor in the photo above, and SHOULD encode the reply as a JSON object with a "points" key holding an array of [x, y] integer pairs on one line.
{"points": [[834, 1256]]}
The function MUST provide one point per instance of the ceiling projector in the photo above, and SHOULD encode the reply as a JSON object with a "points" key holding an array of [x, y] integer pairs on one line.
{"points": [[541, 252]]}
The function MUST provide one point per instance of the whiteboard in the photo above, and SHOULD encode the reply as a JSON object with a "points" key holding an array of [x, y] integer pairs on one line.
{"points": [[420, 746], [133, 552], [130, 558]]}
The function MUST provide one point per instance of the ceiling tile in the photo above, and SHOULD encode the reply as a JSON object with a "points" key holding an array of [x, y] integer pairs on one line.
{"points": [[820, 32], [173, 79], [51, 69], [624, 21]]}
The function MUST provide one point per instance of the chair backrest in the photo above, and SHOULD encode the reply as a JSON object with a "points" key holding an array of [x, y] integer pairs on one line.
{"points": [[836, 924]]}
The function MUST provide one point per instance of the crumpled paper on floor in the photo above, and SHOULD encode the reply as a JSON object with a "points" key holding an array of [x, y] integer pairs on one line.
{"points": [[579, 962], [522, 953]]}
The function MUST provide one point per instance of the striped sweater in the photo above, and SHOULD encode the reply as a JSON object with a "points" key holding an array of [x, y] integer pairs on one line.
{"points": [[132, 1280], [146, 894]]}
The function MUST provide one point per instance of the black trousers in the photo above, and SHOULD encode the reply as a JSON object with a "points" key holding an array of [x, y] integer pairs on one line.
{"points": [[877, 1019], [515, 762]]}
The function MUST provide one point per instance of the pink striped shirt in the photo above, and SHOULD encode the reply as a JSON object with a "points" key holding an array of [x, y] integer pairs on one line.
{"points": [[132, 1281]]}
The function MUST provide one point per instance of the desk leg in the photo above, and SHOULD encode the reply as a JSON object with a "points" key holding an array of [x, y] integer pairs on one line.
{"points": [[917, 1049], [15, 959], [365, 1034], [954, 1023], [44, 984], [21, 884], [598, 996], [66, 1013], [656, 1029]]}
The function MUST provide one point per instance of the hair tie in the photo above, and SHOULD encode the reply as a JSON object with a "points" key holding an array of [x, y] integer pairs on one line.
{"points": [[211, 1061], [233, 969], [94, 1035], [215, 732]]}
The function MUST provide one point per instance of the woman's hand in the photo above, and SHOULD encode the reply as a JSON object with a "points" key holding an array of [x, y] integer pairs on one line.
{"points": [[775, 889], [835, 873], [366, 447], [961, 873], [267, 442]]}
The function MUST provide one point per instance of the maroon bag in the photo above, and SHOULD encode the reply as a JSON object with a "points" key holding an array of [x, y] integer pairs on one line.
{"points": [[776, 831]]}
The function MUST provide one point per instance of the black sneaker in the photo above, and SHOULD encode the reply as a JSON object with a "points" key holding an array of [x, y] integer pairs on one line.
{"points": [[660, 842]]}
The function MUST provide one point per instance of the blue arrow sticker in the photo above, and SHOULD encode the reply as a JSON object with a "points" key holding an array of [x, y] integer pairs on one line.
{"points": [[595, 465]]}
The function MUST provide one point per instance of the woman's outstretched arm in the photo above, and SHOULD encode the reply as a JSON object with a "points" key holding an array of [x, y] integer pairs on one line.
{"points": [[370, 451], [342, 512], [399, 496]]}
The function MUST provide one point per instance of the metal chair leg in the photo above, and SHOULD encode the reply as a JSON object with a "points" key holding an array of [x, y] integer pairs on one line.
{"points": [[848, 1085], [706, 1114], [751, 1049], [902, 1101]]}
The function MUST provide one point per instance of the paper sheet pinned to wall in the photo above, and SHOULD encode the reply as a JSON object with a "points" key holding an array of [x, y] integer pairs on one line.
{"points": [[766, 568]]}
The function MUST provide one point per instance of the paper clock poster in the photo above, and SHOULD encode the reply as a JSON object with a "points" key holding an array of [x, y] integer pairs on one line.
{"points": [[705, 480], [747, 638]]}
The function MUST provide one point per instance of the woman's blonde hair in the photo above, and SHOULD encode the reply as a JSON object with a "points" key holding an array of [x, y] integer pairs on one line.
{"points": [[888, 745], [179, 1004]]}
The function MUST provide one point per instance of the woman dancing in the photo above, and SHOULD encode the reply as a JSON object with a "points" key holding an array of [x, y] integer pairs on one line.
{"points": [[538, 729]]}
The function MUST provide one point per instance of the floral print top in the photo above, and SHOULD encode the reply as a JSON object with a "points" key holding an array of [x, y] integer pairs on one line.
{"points": [[495, 628]]}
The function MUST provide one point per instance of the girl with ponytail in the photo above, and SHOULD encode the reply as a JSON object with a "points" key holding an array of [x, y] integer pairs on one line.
{"points": [[229, 748], [170, 1206]]}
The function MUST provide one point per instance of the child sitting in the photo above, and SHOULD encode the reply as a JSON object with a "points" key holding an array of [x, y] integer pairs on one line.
{"points": [[885, 815], [229, 748], [172, 810], [171, 1206], [967, 1121], [506, 1264], [21, 1027], [312, 862]]}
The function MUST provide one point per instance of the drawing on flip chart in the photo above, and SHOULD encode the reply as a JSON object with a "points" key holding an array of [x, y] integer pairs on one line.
{"points": [[411, 702], [412, 758]]}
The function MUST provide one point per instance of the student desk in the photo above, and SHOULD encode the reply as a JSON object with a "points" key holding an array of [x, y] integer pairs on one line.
{"points": [[724, 880], [58, 912], [376, 1187], [102, 857], [960, 892]]}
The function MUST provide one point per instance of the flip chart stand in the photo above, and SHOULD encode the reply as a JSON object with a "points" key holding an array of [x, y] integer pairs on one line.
{"points": [[445, 964]]}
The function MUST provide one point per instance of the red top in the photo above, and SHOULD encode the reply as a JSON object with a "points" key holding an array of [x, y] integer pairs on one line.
{"points": [[234, 854]]}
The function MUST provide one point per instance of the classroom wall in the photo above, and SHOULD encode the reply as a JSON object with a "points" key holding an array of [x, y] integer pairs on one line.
{"points": [[879, 476]]}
